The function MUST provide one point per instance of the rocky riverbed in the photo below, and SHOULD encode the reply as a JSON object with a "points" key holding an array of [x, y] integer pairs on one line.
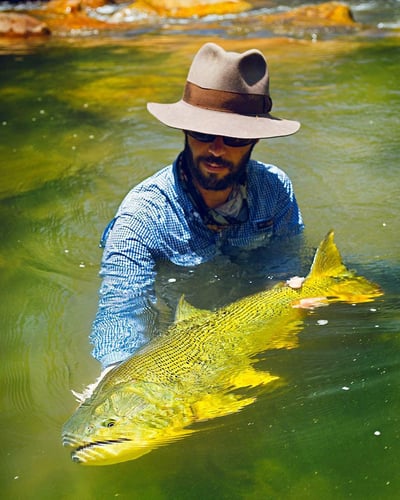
{"points": [[91, 17]]}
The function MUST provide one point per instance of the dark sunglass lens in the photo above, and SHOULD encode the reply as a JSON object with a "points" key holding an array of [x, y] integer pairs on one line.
{"points": [[199, 136], [234, 142]]}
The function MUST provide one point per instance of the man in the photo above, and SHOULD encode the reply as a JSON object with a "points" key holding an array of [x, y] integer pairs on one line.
{"points": [[212, 199]]}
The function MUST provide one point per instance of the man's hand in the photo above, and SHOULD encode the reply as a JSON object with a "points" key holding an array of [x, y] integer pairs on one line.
{"points": [[295, 282]]}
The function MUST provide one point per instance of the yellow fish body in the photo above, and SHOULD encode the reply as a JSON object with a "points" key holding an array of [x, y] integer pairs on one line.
{"points": [[193, 372]]}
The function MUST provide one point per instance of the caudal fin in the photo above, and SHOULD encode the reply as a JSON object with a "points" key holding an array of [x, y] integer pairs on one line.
{"points": [[344, 285], [327, 260]]}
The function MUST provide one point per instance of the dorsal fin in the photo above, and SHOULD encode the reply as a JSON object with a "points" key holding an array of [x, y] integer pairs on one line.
{"points": [[327, 260], [184, 310]]}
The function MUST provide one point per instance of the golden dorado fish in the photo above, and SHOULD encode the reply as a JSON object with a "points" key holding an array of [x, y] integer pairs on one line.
{"points": [[196, 369]]}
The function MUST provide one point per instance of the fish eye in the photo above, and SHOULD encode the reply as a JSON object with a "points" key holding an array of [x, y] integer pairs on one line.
{"points": [[109, 423]]}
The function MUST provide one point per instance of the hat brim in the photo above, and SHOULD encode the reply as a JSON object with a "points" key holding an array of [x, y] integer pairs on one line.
{"points": [[184, 116]]}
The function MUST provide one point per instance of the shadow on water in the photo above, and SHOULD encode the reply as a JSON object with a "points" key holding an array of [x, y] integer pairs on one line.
{"points": [[75, 136]]}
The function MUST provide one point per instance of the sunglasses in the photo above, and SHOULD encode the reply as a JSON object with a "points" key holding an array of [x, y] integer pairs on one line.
{"points": [[233, 142]]}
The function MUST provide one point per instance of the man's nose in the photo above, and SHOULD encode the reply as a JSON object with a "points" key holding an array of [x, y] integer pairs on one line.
{"points": [[217, 146]]}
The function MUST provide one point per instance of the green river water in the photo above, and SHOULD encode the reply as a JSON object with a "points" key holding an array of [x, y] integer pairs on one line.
{"points": [[74, 137]]}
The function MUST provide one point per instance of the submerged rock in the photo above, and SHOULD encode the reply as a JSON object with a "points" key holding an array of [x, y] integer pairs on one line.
{"points": [[72, 16], [73, 6], [326, 14], [22, 25], [190, 8]]}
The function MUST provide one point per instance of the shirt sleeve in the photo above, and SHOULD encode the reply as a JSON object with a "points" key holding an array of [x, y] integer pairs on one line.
{"points": [[288, 219], [126, 312]]}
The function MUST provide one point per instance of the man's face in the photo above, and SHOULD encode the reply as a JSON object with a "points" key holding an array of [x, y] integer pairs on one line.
{"points": [[214, 165]]}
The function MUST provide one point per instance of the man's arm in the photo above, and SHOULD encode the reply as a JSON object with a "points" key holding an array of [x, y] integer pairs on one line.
{"points": [[126, 314], [288, 219]]}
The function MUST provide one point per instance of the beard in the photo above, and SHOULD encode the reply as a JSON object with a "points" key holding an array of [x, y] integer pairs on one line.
{"points": [[214, 182]]}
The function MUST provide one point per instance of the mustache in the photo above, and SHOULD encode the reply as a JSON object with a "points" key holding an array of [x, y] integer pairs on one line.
{"points": [[216, 160]]}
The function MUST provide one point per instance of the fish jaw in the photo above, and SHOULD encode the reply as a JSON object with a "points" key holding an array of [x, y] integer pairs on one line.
{"points": [[104, 452], [115, 451], [112, 451]]}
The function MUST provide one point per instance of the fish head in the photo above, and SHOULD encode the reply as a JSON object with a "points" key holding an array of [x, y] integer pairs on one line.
{"points": [[123, 423]]}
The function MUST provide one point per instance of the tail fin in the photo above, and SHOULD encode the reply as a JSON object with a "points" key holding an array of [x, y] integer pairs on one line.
{"points": [[327, 260], [341, 284]]}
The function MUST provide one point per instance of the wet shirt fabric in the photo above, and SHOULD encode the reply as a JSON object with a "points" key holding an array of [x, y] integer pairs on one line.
{"points": [[157, 221]]}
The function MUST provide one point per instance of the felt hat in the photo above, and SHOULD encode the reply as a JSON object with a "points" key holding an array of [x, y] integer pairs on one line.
{"points": [[226, 93]]}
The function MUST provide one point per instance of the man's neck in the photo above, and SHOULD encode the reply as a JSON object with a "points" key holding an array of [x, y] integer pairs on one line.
{"points": [[213, 198]]}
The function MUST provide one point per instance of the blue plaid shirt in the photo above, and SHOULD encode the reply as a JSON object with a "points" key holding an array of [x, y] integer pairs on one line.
{"points": [[157, 222]]}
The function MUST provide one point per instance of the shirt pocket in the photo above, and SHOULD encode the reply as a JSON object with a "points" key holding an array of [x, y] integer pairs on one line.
{"points": [[265, 226]]}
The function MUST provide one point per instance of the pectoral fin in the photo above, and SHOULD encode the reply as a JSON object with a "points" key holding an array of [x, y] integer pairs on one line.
{"points": [[218, 405], [221, 404], [252, 378]]}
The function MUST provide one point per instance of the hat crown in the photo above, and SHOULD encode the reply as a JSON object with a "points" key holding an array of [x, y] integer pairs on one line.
{"points": [[245, 73]]}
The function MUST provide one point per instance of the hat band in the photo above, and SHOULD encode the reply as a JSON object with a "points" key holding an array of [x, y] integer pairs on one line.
{"points": [[228, 102]]}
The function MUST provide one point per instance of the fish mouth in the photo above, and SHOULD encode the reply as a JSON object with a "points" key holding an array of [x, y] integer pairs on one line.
{"points": [[78, 454]]}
